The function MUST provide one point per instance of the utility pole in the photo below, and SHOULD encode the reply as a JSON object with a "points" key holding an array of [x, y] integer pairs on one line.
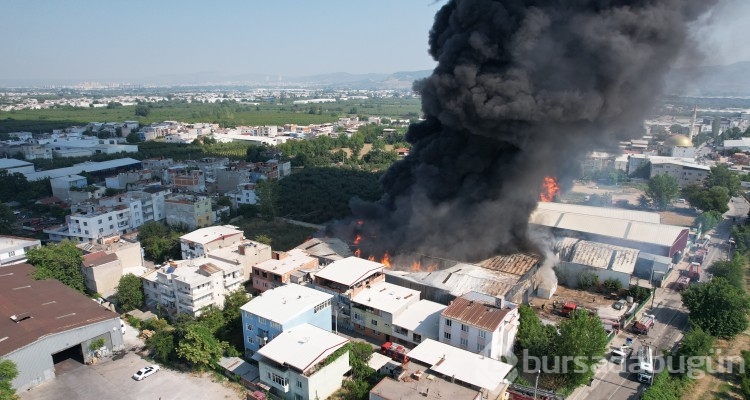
{"points": [[536, 385]]}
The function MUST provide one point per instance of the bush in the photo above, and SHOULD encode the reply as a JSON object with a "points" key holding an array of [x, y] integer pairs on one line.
{"points": [[638, 293], [612, 285], [587, 280], [133, 321]]}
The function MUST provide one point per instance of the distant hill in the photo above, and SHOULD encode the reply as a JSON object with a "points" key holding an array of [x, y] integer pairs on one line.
{"points": [[715, 80]]}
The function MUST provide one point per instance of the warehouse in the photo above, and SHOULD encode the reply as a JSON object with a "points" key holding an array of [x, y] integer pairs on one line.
{"points": [[46, 326]]}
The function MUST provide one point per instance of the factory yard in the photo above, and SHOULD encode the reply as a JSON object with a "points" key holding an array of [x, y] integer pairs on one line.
{"points": [[589, 300]]}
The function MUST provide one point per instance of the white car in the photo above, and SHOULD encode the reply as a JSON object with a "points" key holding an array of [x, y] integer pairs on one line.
{"points": [[145, 371]]}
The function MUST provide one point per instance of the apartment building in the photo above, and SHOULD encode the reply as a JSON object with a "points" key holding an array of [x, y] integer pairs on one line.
{"points": [[13, 249], [375, 307], [685, 173], [188, 210], [418, 322], [302, 363], [101, 272], [278, 310], [202, 241], [245, 253], [188, 286], [185, 177], [326, 250], [345, 279], [480, 324], [278, 270], [152, 201]]}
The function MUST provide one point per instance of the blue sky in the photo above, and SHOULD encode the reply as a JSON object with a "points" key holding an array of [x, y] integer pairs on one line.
{"points": [[130, 40], [50, 41]]}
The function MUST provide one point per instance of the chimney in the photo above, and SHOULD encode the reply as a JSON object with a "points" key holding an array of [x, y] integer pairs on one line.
{"points": [[241, 249], [279, 255]]}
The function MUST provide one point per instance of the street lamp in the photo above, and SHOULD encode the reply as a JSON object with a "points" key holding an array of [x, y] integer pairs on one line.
{"points": [[536, 385]]}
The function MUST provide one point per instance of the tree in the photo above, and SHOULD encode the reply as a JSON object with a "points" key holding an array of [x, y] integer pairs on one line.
{"points": [[721, 175], [161, 344], [708, 220], [130, 293], [8, 372], [662, 189], [695, 343], [582, 341], [133, 137], [265, 239], [199, 347], [717, 307], [715, 198], [268, 192], [732, 270], [233, 303], [142, 110], [7, 219], [160, 242], [533, 336], [612, 285], [59, 261]]}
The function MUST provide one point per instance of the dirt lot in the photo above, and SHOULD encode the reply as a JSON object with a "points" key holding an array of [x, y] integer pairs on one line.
{"points": [[593, 301]]}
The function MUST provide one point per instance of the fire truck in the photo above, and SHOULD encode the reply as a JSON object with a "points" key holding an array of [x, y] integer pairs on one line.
{"points": [[643, 325], [395, 351]]}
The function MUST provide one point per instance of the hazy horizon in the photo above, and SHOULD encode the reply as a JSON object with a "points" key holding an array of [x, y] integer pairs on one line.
{"points": [[138, 42]]}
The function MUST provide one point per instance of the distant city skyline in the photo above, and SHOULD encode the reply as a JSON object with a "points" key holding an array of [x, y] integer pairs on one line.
{"points": [[52, 42]]}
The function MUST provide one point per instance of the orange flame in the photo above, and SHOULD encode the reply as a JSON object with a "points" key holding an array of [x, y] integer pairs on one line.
{"points": [[357, 239], [416, 266], [386, 260], [371, 258], [549, 189], [357, 253], [431, 268]]}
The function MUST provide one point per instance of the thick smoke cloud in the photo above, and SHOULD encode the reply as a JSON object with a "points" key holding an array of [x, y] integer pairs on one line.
{"points": [[522, 90]]}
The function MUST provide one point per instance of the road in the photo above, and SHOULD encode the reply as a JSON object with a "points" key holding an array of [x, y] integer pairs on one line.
{"points": [[617, 382]]}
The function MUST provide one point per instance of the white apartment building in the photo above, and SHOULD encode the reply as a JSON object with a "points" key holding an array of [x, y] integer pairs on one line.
{"points": [[90, 222], [375, 307], [13, 249], [686, 173], [418, 322], [480, 324], [152, 202], [188, 286], [201, 241], [245, 194], [294, 366]]}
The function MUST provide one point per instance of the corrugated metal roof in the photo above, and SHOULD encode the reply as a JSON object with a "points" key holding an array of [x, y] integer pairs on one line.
{"points": [[617, 213], [481, 315], [209, 268], [604, 256], [89, 166], [516, 264], [463, 278]]}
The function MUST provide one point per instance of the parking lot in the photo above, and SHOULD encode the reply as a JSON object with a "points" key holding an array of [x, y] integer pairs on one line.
{"points": [[112, 379]]}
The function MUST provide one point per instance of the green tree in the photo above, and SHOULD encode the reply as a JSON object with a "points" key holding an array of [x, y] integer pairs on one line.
{"points": [[662, 189], [695, 343], [233, 303], [142, 110], [8, 372], [160, 242], [533, 336], [732, 270], [665, 387], [708, 220], [268, 196], [612, 285], [714, 199], [7, 219], [265, 239], [200, 347], [133, 137], [130, 293], [582, 341], [162, 346], [721, 175], [61, 261], [717, 307]]}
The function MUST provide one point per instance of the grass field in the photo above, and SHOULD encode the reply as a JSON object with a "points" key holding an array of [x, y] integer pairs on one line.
{"points": [[226, 114]]}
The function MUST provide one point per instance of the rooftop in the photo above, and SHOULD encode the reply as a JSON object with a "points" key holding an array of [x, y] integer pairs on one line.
{"points": [[350, 270], [516, 264], [98, 258], [89, 166], [302, 347], [597, 255], [484, 316], [386, 297], [609, 212], [421, 317], [329, 248], [462, 278], [285, 302], [16, 241], [210, 234], [465, 366], [295, 260], [429, 386], [13, 163], [50, 306]]}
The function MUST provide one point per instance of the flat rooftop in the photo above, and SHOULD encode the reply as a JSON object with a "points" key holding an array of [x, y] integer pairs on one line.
{"points": [[294, 261], [421, 317], [285, 302], [16, 241], [302, 347], [386, 297], [350, 270], [428, 386]]}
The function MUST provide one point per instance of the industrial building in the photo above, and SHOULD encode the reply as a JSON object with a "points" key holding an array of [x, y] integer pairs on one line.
{"points": [[44, 324]]}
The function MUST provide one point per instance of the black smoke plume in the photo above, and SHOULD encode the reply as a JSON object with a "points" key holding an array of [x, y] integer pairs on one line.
{"points": [[522, 90]]}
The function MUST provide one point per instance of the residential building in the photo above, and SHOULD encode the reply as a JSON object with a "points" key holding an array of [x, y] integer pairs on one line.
{"points": [[201, 241], [44, 321], [277, 271], [127, 249], [296, 364], [13, 249], [345, 279], [418, 322], [126, 180], [185, 177], [188, 210], [440, 371], [280, 309], [686, 173], [480, 324], [152, 200], [245, 253], [64, 185], [102, 168], [326, 250], [36, 152], [188, 286], [244, 195], [375, 307], [101, 272]]}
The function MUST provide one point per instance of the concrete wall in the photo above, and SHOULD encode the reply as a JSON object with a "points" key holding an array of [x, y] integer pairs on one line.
{"points": [[324, 382], [567, 274], [104, 278]]}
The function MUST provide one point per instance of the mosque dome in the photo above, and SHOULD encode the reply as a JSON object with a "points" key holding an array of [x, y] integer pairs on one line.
{"points": [[679, 141]]}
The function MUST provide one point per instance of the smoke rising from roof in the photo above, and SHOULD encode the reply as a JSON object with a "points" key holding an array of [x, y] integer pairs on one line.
{"points": [[522, 90]]}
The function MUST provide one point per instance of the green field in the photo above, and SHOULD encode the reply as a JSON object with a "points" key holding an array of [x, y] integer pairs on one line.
{"points": [[227, 114]]}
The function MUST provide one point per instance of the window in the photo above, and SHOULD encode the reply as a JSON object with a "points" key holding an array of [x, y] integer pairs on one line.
{"points": [[298, 396], [357, 316], [480, 347], [250, 340], [448, 322], [262, 320], [464, 328], [374, 322], [400, 330], [249, 327], [110, 218], [111, 227], [101, 230], [299, 384], [278, 379], [482, 334], [447, 335], [416, 338], [464, 342], [275, 325], [86, 232], [99, 222], [85, 224]]}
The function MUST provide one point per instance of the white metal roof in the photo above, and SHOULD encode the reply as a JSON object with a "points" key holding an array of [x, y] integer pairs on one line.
{"points": [[463, 365], [349, 270], [211, 233], [285, 302], [302, 347], [599, 255], [462, 278], [13, 163], [422, 317], [296, 258], [89, 166], [386, 297], [618, 213]]}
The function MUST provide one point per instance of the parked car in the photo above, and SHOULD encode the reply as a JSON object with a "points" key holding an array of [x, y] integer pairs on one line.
{"points": [[619, 304], [145, 372]]}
